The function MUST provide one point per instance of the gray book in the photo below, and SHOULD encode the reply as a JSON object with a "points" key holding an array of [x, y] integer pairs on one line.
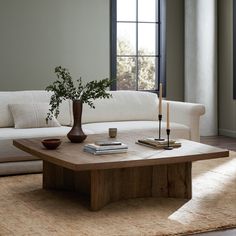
{"points": [[103, 152], [109, 147]]}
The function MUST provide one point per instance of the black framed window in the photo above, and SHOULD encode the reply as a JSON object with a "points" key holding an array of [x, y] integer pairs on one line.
{"points": [[234, 49], [138, 44]]}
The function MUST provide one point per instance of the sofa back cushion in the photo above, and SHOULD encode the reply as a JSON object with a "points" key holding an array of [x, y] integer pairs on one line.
{"points": [[36, 96], [123, 106]]}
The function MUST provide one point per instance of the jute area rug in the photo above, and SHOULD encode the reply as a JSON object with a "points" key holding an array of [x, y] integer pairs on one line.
{"points": [[26, 209]]}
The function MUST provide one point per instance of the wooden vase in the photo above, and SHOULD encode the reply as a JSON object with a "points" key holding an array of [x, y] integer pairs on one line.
{"points": [[76, 134]]}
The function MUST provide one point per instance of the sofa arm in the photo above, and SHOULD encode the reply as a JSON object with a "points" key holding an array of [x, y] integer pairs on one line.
{"points": [[187, 114]]}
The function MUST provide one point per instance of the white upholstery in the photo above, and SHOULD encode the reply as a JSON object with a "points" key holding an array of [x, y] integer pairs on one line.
{"points": [[32, 115], [187, 114], [10, 153], [18, 97], [129, 111], [12, 133], [177, 130], [124, 105], [23, 167]]}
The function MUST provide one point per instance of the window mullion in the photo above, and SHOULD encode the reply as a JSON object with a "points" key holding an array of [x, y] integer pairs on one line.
{"points": [[137, 67], [159, 53], [157, 49], [113, 40]]}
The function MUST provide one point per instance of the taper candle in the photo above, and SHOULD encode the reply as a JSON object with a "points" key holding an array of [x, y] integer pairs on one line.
{"points": [[168, 116], [160, 99]]}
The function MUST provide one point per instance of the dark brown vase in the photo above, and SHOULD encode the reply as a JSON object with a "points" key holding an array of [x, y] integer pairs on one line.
{"points": [[76, 135]]}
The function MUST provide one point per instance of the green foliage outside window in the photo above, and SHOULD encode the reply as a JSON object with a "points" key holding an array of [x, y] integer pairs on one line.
{"points": [[126, 69]]}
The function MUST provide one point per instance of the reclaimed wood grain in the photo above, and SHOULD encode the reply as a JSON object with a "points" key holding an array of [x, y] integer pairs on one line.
{"points": [[174, 180], [141, 172], [72, 156], [105, 186]]}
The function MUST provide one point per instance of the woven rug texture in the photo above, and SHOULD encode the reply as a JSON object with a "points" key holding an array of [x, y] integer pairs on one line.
{"points": [[27, 209]]}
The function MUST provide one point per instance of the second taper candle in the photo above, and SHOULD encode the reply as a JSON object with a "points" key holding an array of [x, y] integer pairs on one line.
{"points": [[160, 99], [168, 116]]}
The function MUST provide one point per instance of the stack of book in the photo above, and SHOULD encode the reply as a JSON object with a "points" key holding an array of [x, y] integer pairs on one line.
{"points": [[153, 143], [105, 147]]}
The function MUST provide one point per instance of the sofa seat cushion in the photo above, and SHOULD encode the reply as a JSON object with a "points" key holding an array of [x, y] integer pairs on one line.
{"points": [[9, 153], [12, 133], [21, 167], [177, 130]]}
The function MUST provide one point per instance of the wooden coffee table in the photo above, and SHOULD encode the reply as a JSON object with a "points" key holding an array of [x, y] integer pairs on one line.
{"points": [[141, 172]]}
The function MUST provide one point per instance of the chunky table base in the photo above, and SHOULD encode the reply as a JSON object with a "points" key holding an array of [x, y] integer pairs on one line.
{"points": [[105, 186]]}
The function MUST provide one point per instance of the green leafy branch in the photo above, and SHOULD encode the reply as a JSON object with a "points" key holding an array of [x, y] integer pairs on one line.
{"points": [[63, 88]]}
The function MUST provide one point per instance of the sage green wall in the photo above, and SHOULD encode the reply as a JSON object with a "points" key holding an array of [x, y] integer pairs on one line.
{"points": [[175, 50], [227, 106], [37, 35]]}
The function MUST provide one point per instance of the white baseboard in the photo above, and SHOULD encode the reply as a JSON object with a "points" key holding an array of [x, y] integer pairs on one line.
{"points": [[227, 132]]}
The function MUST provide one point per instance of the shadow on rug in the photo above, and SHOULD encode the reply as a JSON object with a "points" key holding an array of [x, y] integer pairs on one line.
{"points": [[26, 209]]}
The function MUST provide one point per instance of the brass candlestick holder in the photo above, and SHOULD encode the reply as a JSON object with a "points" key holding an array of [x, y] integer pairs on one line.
{"points": [[159, 138], [168, 147]]}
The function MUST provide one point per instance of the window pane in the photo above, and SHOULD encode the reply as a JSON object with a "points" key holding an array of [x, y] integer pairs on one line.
{"points": [[147, 39], [126, 42], [146, 70], [147, 10], [126, 10], [126, 73]]}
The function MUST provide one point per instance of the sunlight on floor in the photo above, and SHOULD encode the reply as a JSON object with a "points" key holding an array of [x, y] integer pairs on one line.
{"points": [[210, 188]]}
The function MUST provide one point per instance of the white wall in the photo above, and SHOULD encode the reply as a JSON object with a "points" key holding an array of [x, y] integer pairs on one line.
{"points": [[227, 106], [201, 59], [37, 35]]}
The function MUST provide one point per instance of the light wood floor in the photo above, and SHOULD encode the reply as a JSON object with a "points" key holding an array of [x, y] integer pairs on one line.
{"points": [[222, 142]]}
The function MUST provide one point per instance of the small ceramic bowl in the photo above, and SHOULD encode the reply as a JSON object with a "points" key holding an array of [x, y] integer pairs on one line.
{"points": [[51, 143]]}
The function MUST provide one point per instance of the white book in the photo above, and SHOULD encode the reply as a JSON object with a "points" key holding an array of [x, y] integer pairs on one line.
{"points": [[103, 152], [109, 147]]}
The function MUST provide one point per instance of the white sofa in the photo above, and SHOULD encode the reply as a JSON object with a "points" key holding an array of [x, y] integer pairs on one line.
{"points": [[126, 110]]}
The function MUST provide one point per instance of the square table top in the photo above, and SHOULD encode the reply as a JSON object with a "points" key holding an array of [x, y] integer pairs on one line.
{"points": [[71, 155]]}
